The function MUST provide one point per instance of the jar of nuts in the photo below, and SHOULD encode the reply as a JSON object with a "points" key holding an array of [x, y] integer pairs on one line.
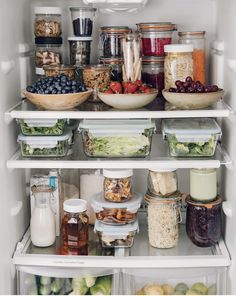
{"points": [[54, 70], [96, 77]]}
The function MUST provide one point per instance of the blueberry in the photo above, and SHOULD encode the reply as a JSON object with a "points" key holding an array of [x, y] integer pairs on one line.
{"points": [[54, 91], [63, 91], [74, 83], [63, 84]]}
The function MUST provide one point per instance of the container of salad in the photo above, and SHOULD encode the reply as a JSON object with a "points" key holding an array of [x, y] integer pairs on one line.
{"points": [[44, 146], [191, 137], [117, 138], [42, 127]]}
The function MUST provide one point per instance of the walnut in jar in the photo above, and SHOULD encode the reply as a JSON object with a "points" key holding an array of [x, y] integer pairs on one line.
{"points": [[44, 28]]}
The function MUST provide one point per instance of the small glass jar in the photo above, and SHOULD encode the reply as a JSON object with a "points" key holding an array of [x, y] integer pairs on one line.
{"points": [[203, 222], [75, 224], [199, 52], [162, 182], [53, 70], [178, 63], [96, 77], [116, 67], [47, 22], [164, 217], [110, 41], [118, 185], [80, 50], [153, 72]]}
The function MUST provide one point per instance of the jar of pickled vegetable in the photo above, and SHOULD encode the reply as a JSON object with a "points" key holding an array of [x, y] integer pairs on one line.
{"points": [[116, 67], [153, 72]]}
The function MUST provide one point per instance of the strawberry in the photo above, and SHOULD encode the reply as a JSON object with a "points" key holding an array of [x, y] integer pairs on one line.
{"points": [[130, 87], [116, 87], [108, 91], [148, 90], [143, 87], [139, 82]]}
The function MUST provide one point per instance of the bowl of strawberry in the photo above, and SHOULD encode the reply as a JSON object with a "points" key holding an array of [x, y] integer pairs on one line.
{"points": [[128, 95], [192, 95]]}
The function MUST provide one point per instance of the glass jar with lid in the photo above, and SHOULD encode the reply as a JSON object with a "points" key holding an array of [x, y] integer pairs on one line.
{"points": [[116, 67], [118, 185], [54, 70], [164, 217], [178, 63], [47, 22], [80, 50], [110, 41], [197, 39]]}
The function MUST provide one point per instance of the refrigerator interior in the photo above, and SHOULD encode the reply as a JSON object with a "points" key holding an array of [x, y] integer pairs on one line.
{"points": [[16, 37]]}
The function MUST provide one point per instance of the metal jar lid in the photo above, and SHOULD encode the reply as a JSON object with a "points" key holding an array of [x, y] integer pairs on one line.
{"points": [[156, 27]]}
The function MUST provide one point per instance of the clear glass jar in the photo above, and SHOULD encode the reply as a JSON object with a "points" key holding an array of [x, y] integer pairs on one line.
{"points": [[153, 72], [203, 222], [82, 19], [178, 63], [116, 67], [54, 70], [117, 185], [75, 224], [80, 50], [110, 41], [96, 77], [162, 182], [47, 22], [197, 39], [164, 217]]}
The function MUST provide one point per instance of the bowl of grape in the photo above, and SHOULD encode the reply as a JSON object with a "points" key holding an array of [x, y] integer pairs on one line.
{"points": [[190, 95]]}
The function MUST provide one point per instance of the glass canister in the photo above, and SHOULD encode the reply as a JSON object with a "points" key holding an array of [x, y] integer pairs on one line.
{"points": [[178, 63], [54, 70], [116, 67], [203, 222], [118, 185], [96, 77], [162, 182], [198, 40], [47, 22], [80, 50], [203, 184], [164, 217], [110, 41], [155, 36], [153, 72]]}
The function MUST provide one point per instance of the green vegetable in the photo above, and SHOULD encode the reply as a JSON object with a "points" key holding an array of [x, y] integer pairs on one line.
{"points": [[90, 280], [193, 292], [103, 286], [45, 280], [58, 150], [44, 289], [57, 285], [182, 288], [200, 287], [55, 130], [79, 286], [66, 289], [212, 290]]}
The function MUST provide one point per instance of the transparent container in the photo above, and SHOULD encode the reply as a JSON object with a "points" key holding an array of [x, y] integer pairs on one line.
{"points": [[154, 36], [80, 50], [191, 137], [117, 185], [197, 39], [82, 20], [203, 222], [54, 70], [178, 63], [44, 146], [110, 41], [116, 236], [116, 67], [162, 182], [113, 213], [117, 138], [164, 217], [153, 72], [47, 22]]}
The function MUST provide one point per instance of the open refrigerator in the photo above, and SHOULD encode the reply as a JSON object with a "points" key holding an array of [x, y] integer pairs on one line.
{"points": [[129, 269]]}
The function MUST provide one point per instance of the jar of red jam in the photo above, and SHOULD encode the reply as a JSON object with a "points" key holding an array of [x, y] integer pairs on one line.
{"points": [[155, 36]]}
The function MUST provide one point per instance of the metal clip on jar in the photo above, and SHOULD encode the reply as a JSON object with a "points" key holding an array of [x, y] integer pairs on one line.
{"points": [[116, 67], [164, 217]]}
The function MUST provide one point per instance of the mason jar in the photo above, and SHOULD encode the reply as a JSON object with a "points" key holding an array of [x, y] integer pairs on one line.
{"points": [[116, 67]]}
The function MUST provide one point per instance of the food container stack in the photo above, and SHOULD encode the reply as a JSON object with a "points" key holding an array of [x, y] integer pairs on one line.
{"points": [[116, 210]]}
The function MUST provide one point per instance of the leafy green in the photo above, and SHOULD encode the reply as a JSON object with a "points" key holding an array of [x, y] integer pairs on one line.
{"points": [[58, 150], [79, 286], [103, 286], [57, 285], [55, 130], [45, 289]]}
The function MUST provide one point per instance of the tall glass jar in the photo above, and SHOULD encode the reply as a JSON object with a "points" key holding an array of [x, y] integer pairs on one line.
{"points": [[80, 50], [178, 63], [116, 67], [197, 39]]}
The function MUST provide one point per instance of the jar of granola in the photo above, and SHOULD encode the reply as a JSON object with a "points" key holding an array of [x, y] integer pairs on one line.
{"points": [[117, 185]]}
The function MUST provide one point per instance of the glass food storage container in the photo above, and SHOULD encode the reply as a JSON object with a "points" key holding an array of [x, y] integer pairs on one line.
{"points": [[203, 222], [82, 20], [116, 236], [117, 138], [162, 182], [116, 67], [164, 217], [112, 213], [54, 70], [44, 146], [80, 50], [197, 38], [117, 185], [110, 41], [178, 63], [203, 184], [47, 22], [191, 137], [154, 36]]}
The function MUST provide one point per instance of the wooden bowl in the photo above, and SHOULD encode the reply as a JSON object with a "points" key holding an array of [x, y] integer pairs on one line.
{"points": [[58, 101]]}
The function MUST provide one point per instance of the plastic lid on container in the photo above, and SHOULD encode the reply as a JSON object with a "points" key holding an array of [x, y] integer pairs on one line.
{"points": [[83, 9], [192, 33], [169, 48], [156, 26], [41, 122], [153, 60], [132, 205], [74, 38], [75, 205], [45, 139], [48, 40], [117, 173], [116, 230], [208, 205], [48, 10], [161, 170]]}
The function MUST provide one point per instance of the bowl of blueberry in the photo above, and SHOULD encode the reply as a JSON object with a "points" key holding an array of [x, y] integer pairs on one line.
{"points": [[192, 95], [57, 93]]}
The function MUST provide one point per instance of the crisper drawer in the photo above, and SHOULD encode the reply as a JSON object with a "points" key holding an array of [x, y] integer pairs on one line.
{"points": [[64, 281], [174, 281]]}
